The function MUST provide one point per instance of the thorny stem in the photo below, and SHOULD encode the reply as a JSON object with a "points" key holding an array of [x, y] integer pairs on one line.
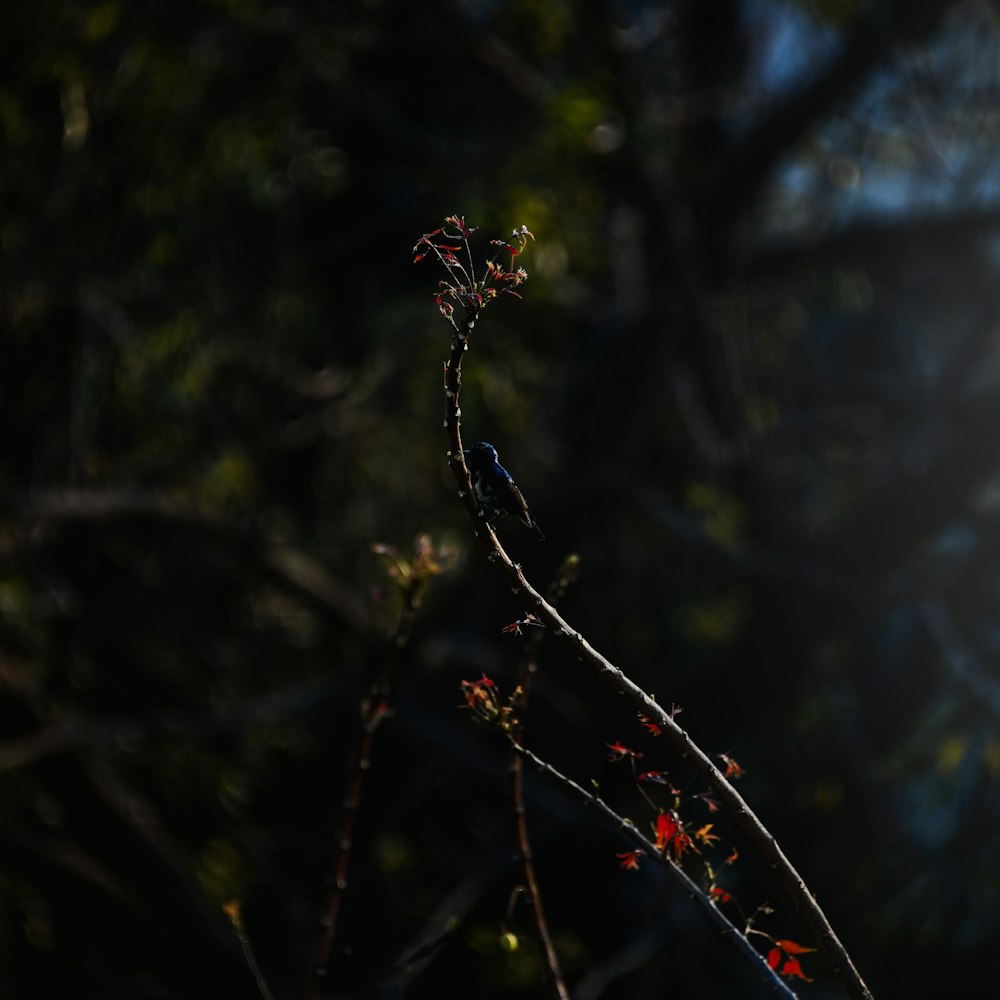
{"points": [[682, 743]]}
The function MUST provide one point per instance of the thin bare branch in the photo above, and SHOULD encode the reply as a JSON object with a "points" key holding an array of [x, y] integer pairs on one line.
{"points": [[692, 889], [529, 666], [374, 709], [682, 743]]}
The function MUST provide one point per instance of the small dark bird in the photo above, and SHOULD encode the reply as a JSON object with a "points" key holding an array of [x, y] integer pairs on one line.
{"points": [[496, 491]]}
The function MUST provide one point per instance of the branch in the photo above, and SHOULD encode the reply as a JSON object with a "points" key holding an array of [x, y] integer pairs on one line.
{"points": [[529, 666], [682, 743], [413, 578], [692, 889], [232, 910]]}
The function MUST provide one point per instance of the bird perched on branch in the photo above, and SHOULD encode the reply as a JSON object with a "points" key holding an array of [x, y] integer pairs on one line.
{"points": [[495, 489]]}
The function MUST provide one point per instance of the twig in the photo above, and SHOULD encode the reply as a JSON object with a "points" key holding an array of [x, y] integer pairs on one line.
{"points": [[529, 666], [232, 910], [374, 709]]}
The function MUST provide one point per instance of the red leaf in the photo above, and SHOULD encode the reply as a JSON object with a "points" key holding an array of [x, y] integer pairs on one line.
{"points": [[619, 751], [666, 827], [706, 797], [477, 693], [733, 770], [705, 835], [658, 778], [774, 957], [630, 859], [792, 968], [792, 948], [650, 725], [682, 843]]}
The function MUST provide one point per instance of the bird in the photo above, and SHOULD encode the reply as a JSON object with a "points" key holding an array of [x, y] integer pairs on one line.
{"points": [[495, 489]]}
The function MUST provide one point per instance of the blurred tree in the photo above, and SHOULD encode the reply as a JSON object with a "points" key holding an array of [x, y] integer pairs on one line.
{"points": [[753, 381]]}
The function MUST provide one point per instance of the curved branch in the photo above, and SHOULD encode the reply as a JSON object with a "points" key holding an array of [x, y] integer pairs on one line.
{"points": [[682, 743]]}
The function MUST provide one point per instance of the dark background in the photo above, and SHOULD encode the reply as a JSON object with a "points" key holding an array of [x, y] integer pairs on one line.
{"points": [[753, 382]]}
